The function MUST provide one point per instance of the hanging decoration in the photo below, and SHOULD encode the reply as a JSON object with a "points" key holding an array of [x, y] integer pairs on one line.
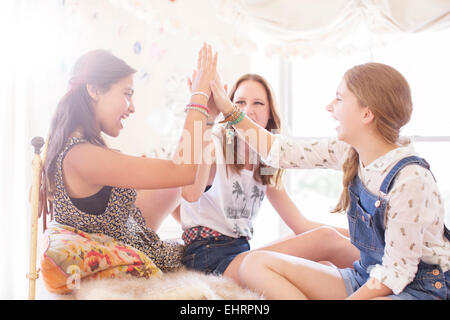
{"points": [[166, 21], [143, 75], [137, 48], [156, 52]]}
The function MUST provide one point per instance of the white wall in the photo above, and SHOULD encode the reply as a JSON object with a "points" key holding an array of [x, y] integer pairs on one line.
{"points": [[170, 34]]}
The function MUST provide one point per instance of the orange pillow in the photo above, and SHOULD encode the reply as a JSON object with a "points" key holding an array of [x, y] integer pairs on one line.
{"points": [[70, 255]]}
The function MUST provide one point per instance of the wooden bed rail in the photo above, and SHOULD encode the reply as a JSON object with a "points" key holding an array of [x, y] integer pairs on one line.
{"points": [[40, 207]]}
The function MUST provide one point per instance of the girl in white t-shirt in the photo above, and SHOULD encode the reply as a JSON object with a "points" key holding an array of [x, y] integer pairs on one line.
{"points": [[217, 212]]}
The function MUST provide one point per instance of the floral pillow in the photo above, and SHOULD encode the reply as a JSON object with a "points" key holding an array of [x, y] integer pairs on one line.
{"points": [[70, 255]]}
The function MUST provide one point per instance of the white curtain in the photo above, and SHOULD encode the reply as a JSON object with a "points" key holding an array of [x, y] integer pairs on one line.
{"points": [[307, 27], [32, 38]]}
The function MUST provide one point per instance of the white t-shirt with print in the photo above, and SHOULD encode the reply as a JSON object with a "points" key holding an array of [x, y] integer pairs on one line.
{"points": [[230, 205]]}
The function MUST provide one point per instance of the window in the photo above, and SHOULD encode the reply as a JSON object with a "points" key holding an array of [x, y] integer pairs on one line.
{"points": [[306, 86]]}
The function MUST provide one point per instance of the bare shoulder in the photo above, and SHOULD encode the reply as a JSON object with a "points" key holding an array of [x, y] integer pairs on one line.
{"points": [[83, 154]]}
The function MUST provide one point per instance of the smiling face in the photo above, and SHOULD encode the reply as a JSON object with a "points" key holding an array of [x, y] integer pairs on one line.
{"points": [[254, 95], [346, 109], [251, 97], [112, 107]]}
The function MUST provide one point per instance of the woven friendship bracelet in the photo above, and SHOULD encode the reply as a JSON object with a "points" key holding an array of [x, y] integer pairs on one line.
{"points": [[202, 111], [239, 119], [232, 115], [235, 109], [199, 106]]}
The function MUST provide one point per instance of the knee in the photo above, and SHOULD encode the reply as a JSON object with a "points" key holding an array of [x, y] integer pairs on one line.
{"points": [[328, 233], [330, 237], [172, 194], [252, 260], [167, 200], [252, 265], [328, 263]]}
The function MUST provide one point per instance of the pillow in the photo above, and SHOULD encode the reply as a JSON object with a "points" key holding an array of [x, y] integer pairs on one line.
{"points": [[70, 255]]}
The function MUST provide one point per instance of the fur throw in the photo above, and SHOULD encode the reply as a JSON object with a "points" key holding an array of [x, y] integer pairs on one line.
{"points": [[179, 285]]}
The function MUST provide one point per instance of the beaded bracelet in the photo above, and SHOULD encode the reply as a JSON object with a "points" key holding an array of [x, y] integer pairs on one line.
{"points": [[232, 115], [200, 93], [235, 109], [239, 119], [199, 106], [229, 130], [202, 111]]}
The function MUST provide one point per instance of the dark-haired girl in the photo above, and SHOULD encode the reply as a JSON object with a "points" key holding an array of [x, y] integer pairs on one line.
{"points": [[94, 187]]}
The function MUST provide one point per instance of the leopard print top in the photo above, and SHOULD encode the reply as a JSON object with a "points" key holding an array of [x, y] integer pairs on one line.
{"points": [[121, 220]]}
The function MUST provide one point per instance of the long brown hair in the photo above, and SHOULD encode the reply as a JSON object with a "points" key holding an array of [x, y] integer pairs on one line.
{"points": [[273, 125], [74, 111], [387, 94]]}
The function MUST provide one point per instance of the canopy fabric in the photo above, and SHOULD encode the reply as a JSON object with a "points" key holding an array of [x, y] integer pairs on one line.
{"points": [[310, 25]]}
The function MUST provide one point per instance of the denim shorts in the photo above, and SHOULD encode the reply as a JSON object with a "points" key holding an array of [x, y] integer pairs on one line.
{"points": [[423, 286], [213, 254]]}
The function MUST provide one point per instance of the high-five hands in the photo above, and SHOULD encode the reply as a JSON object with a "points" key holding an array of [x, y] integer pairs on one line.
{"points": [[206, 80], [219, 93], [214, 111], [205, 72]]}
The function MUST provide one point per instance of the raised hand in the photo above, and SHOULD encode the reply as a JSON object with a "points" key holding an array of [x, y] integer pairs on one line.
{"points": [[221, 99], [213, 110], [206, 70]]}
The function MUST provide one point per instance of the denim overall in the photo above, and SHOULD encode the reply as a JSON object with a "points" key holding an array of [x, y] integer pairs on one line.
{"points": [[366, 226]]}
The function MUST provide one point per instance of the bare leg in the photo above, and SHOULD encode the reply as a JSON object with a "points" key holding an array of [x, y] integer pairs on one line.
{"points": [[320, 244], [281, 276], [176, 214], [156, 205]]}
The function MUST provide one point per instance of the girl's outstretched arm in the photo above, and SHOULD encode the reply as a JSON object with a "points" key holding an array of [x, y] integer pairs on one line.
{"points": [[280, 151], [87, 164]]}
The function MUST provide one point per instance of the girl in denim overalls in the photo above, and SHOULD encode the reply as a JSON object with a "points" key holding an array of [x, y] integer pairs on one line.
{"points": [[395, 212]]}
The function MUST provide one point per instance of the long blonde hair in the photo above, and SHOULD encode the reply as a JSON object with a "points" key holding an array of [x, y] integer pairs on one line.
{"points": [[274, 124], [387, 94]]}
